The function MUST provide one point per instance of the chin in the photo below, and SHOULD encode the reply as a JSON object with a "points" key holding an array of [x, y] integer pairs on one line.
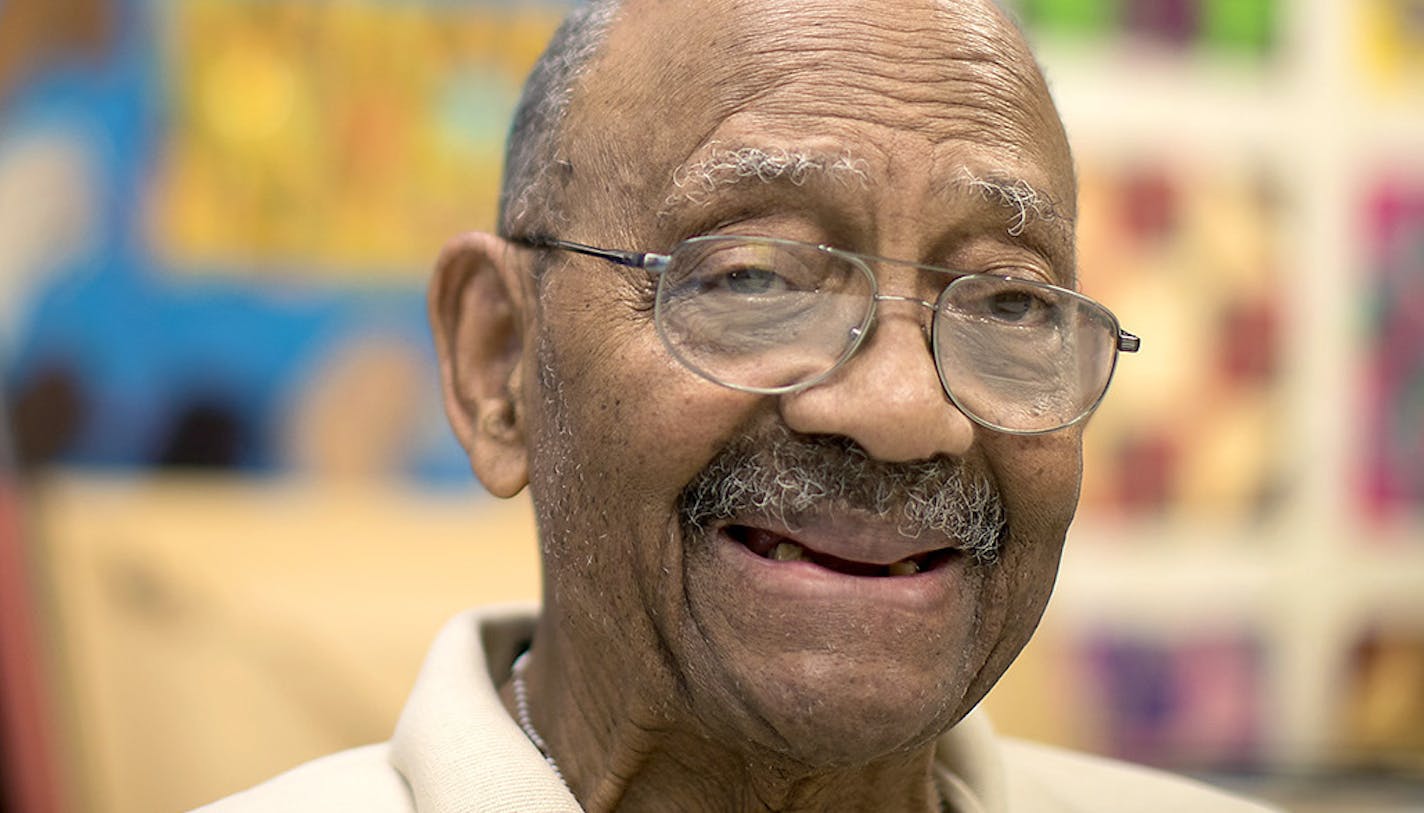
{"points": [[827, 711], [823, 670]]}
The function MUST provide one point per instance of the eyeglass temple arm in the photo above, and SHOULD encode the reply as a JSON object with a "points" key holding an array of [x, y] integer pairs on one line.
{"points": [[632, 259], [1127, 342]]}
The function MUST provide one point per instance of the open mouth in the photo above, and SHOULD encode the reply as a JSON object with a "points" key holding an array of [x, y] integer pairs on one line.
{"points": [[778, 548]]}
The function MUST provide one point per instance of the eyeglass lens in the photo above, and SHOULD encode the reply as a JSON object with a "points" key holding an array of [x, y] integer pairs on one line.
{"points": [[768, 315], [1021, 355]]}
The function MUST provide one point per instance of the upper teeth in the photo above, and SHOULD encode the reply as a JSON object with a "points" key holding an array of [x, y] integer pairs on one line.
{"points": [[904, 567], [788, 552]]}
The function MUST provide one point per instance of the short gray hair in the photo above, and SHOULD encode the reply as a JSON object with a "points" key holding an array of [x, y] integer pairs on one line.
{"points": [[528, 198]]}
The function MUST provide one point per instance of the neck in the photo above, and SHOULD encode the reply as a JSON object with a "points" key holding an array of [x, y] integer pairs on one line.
{"points": [[632, 745]]}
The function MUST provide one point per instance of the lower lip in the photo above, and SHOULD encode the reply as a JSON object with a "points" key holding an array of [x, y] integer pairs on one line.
{"points": [[807, 580]]}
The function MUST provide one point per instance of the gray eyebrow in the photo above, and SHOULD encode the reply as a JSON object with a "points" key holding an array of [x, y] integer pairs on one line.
{"points": [[1026, 202], [697, 182]]}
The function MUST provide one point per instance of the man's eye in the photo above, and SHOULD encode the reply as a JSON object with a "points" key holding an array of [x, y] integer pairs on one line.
{"points": [[750, 281], [1012, 306]]}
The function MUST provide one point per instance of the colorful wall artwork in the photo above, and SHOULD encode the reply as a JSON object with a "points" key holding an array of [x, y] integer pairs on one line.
{"points": [[1381, 723], [1185, 252], [1196, 701], [1389, 44], [1393, 386], [1246, 27], [219, 216], [338, 140]]}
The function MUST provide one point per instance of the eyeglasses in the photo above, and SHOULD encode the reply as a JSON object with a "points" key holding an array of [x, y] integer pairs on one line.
{"points": [[767, 315]]}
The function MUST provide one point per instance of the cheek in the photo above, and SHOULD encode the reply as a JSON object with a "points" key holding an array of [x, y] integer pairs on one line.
{"points": [[618, 429], [617, 420], [1039, 478], [626, 407]]}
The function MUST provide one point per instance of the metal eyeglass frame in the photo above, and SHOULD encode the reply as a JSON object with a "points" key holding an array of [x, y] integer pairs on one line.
{"points": [[655, 264]]}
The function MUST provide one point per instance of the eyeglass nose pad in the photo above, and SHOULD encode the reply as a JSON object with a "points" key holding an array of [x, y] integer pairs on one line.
{"points": [[860, 334]]}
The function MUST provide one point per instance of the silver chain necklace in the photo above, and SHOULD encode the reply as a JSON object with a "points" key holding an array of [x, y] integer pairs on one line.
{"points": [[521, 710]]}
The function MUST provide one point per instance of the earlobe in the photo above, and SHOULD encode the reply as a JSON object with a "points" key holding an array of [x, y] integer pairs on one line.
{"points": [[476, 306]]}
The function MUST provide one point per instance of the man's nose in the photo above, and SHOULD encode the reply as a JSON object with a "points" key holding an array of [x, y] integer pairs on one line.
{"points": [[887, 397]]}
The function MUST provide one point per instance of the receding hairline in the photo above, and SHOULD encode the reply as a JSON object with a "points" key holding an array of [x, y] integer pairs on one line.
{"points": [[537, 132], [974, 23]]}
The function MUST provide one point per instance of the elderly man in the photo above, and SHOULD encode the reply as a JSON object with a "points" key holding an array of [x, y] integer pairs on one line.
{"points": [[780, 331]]}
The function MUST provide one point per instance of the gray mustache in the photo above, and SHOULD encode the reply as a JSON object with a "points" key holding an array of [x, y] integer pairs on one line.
{"points": [[782, 475]]}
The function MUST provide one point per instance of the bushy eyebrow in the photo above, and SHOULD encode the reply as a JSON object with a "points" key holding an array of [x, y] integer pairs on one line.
{"points": [[1026, 203], [1034, 217], [697, 182]]}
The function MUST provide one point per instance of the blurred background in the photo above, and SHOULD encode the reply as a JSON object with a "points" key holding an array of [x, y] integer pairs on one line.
{"points": [[232, 515]]}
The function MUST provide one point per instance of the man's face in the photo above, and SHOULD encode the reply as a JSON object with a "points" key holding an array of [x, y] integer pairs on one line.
{"points": [[826, 664]]}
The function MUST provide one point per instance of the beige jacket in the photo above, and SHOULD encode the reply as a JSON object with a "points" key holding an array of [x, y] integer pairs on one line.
{"points": [[456, 750]]}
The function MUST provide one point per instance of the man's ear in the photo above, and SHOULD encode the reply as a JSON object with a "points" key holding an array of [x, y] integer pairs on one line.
{"points": [[476, 305]]}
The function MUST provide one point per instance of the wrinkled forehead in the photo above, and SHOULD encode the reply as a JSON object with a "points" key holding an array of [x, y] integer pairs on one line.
{"points": [[670, 74]]}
